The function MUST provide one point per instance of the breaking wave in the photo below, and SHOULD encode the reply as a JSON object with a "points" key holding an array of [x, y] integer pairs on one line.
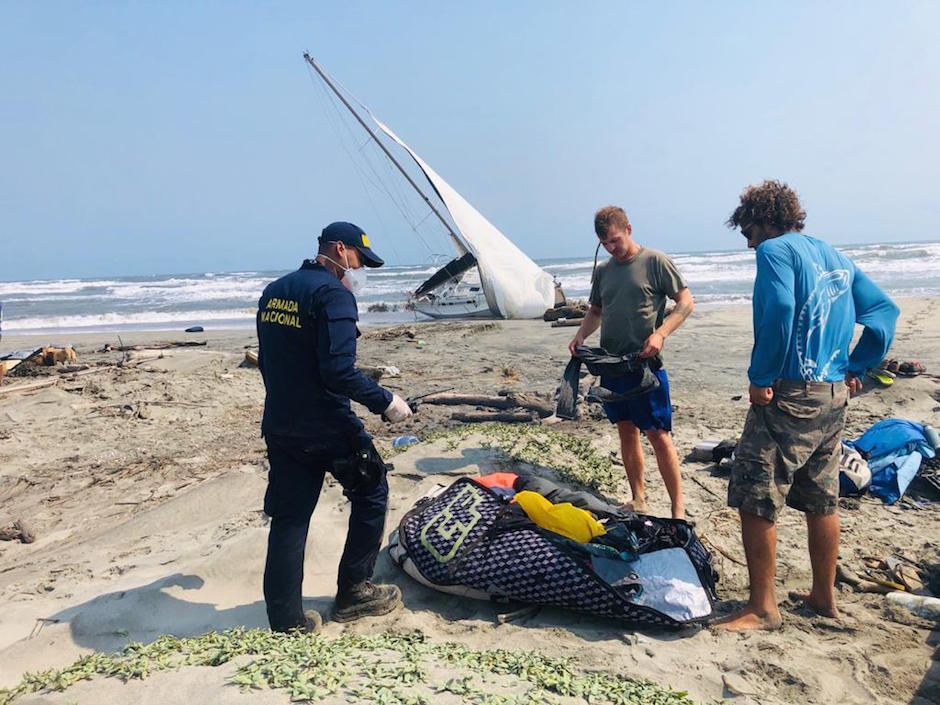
{"points": [[228, 299]]}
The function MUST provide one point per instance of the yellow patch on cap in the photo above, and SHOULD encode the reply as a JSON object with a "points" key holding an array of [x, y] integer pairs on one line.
{"points": [[365, 240]]}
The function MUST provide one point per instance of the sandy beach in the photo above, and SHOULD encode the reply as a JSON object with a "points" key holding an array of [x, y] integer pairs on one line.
{"points": [[143, 478]]}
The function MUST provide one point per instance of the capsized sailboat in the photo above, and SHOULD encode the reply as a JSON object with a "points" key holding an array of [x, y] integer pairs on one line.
{"points": [[489, 276]]}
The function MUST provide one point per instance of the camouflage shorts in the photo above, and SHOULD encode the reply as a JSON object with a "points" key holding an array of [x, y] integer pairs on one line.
{"points": [[789, 451]]}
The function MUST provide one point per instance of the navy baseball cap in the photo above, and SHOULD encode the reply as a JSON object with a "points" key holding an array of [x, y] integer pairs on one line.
{"points": [[352, 235]]}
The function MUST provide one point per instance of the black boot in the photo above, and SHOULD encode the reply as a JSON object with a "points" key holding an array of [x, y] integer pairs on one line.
{"points": [[366, 599], [312, 624]]}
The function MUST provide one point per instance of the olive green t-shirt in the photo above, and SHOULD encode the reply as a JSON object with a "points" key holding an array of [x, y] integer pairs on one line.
{"points": [[632, 296]]}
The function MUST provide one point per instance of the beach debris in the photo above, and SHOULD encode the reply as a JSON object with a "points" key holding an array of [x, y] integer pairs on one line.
{"points": [[566, 323], [902, 573], [69, 369], [40, 623], [495, 416], [704, 538], [28, 386], [19, 530], [380, 371], [51, 356], [529, 401], [405, 441], [251, 357], [521, 613], [565, 312], [398, 669], [869, 584], [155, 346], [11, 359], [195, 329], [391, 333], [713, 450], [922, 605], [847, 576]]}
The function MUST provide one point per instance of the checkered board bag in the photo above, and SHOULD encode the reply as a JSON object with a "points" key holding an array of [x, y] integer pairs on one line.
{"points": [[467, 541]]}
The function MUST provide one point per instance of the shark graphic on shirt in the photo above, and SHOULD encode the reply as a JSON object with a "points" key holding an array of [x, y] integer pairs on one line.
{"points": [[830, 285]]}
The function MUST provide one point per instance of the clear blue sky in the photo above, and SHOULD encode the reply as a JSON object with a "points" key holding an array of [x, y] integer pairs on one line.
{"points": [[160, 137]]}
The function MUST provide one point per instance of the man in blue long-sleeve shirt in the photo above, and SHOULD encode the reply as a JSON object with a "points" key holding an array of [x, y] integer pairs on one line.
{"points": [[807, 299], [307, 355]]}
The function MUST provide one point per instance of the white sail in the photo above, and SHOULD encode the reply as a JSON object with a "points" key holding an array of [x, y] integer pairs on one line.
{"points": [[515, 286]]}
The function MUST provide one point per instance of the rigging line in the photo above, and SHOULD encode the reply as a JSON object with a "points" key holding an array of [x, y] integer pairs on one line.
{"points": [[377, 182], [364, 167], [393, 181], [359, 174], [375, 178], [350, 138], [362, 105], [426, 216], [400, 187], [343, 145], [401, 205]]}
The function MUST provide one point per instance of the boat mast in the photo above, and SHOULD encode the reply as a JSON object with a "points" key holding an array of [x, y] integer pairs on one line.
{"points": [[461, 248]]}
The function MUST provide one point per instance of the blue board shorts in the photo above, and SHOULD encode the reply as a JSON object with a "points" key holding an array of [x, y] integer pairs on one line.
{"points": [[646, 412]]}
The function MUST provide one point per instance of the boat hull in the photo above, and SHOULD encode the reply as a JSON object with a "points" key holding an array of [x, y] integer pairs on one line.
{"points": [[455, 307]]}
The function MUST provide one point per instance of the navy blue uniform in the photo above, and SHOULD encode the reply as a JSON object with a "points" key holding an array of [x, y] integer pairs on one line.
{"points": [[307, 355]]}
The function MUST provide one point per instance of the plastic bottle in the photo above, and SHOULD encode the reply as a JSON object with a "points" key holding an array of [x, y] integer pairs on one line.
{"points": [[405, 441]]}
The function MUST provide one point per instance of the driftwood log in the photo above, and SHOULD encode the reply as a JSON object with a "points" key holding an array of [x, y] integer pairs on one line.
{"points": [[155, 346], [512, 400], [566, 323], [501, 416], [553, 314], [67, 376], [28, 386]]}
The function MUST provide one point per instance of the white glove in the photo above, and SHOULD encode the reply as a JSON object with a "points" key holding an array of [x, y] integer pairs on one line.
{"points": [[398, 410]]}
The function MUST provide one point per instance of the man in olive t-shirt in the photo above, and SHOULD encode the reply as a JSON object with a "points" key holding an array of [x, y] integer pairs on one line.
{"points": [[628, 302]]}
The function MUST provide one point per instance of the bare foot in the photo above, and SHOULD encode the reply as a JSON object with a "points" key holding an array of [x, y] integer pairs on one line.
{"points": [[637, 505], [747, 619], [824, 608]]}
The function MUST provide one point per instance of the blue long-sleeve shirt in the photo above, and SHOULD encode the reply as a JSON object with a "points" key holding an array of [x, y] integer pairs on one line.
{"points": [[808, 297], [307, 354]]}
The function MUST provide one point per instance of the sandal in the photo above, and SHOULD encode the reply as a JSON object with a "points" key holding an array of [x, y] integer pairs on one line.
{"points": [[911, 368], [889, 364], [882, 377]]}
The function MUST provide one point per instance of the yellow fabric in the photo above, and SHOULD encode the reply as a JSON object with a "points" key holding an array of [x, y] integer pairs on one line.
{"points": [[565, 519]]}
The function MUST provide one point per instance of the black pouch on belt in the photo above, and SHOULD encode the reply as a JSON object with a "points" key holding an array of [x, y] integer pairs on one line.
{"points": [[360, 471]]}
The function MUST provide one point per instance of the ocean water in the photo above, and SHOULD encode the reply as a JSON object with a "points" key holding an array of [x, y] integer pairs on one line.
{"points": [[228, 299]]}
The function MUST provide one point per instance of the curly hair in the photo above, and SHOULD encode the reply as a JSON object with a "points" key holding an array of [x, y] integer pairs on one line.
{"points": [[772, 203], [607, 216]]}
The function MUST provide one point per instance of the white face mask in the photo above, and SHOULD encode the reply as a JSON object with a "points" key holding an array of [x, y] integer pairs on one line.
{"points": [[353, 279]]}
